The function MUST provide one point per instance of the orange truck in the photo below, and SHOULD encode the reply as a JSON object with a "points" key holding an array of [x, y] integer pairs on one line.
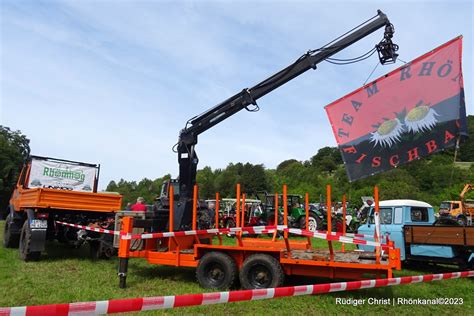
{"points": [[461, 211], [50, 190]]}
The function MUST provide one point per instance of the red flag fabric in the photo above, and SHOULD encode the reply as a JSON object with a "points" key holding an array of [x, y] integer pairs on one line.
{"points": [[411, 112]]}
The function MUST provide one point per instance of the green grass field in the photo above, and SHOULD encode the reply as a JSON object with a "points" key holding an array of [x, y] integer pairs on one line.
{"points": [[67, 275]]}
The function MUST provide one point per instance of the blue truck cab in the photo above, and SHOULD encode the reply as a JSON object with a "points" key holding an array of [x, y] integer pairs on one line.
{"points": [[412, 226]]}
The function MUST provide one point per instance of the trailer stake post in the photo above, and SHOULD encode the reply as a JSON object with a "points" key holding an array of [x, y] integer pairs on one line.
{"points": [[329, 215], [124, 251], [306, 206], [276, 216]]}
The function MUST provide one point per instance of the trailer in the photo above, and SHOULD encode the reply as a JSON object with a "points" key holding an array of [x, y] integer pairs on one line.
{"points": [[256, 262]]}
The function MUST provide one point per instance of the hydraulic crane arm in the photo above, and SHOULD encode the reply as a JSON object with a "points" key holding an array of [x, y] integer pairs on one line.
{"points": [[188, 137]]}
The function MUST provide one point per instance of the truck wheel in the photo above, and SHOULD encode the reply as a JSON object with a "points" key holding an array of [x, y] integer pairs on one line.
{"points": [[462, 220], [261, 271], [216, 270], [100, 249], [11, 234], [25, 241], [313, 223]]}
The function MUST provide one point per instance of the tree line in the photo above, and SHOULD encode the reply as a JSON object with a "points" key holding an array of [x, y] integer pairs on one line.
{"points": [[432, 180]]}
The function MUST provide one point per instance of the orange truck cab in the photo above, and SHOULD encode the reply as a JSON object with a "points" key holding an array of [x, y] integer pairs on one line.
{"points": [[461, 211], [50, 190]]}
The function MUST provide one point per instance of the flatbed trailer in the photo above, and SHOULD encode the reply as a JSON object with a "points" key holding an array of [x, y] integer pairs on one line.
{"points": [[259, 262]]}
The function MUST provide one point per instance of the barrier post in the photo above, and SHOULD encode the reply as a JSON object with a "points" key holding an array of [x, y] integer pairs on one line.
{"points": [[306, 204], [124, 251], [217, 217], [343, 219], [329, 215], [276, 216]]}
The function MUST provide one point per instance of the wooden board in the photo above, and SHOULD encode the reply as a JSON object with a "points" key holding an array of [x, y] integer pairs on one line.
{"points": [[447, 235]]}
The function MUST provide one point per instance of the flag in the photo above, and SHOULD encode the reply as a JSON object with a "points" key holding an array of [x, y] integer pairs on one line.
{"points": [[410, 113]]}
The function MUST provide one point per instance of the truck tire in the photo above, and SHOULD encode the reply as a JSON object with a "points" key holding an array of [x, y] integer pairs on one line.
{"points": [[313, 221], [216, 270], [462, 220], [260, 271], [11, 234], [101, 249], [25, 240]]}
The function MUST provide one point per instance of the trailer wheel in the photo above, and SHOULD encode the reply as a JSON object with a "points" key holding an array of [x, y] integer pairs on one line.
{"points": [[25, 241], [261, 271], [216, 270], [11, 234]]}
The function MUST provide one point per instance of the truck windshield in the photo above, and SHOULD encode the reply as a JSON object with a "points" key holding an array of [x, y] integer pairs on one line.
{"points": [[444, 206], [385, 216]]}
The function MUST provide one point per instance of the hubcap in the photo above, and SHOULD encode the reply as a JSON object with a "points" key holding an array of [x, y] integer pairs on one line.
{"points": [[215, 274], [260, 277], [312, 224]]}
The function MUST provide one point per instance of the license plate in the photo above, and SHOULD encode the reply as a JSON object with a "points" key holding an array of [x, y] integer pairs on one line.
{"points": [[38, 223]]}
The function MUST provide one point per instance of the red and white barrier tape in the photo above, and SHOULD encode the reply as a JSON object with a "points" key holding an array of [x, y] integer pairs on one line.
{"points": [[339, 238], [94, 229], [232, 230], [163, 302]]}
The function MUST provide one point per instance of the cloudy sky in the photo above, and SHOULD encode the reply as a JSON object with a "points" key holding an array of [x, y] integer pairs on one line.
{"points": [[113, 82]]}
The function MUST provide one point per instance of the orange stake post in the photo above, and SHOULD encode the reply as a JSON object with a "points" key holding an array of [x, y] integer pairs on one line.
{"points": [[242, 222], [171, 195], [343, 219], [237, 224], [285, 217], [217, 210], [329, 214], [217, 217], [195, 201], [237, 206], [276, 216], [306, 204]]}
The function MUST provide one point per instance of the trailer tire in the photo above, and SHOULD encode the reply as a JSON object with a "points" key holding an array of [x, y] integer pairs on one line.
{"points": [[216, 270], [25, 241], [11, 234], [260, 271]]}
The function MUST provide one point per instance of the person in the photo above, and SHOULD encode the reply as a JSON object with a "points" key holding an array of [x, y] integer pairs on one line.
{"points": [[140, 205]]}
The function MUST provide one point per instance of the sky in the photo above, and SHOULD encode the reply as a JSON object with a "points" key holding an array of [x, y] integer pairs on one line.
{"points": [[113, 82]]}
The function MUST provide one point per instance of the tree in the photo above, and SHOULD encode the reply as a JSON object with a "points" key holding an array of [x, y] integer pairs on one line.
{"points": [[14, 150]]}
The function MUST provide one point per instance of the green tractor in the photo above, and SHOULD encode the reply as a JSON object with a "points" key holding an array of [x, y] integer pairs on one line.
{"points": [[296, 211]]}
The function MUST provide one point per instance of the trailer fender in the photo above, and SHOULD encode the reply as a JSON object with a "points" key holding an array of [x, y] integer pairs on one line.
{"points": [[38, 234]]}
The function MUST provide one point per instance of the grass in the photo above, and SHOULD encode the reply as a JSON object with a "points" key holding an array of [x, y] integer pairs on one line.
{"points": [[68, 275]]}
